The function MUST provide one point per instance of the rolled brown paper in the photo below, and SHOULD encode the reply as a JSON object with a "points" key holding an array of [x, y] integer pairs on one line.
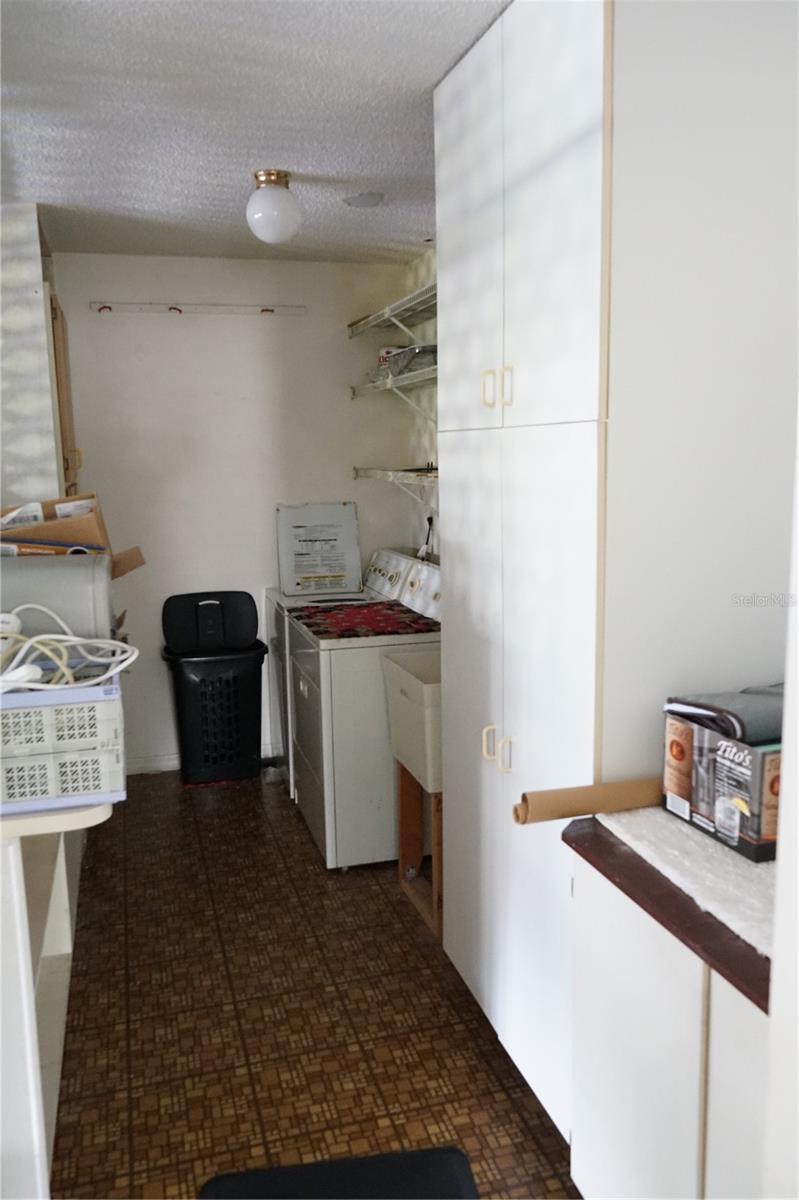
{"points": [[559, 803]]}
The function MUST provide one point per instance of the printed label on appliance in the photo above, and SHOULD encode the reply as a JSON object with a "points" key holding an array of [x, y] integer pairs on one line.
{"points": [[318, 548]]}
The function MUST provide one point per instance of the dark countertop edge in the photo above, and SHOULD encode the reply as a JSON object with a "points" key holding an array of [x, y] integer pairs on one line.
{"points": [[707, 936]]}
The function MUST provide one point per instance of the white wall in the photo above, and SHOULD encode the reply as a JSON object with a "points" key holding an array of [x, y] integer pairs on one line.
{"points": [[30, 447], [194, 427], [703, 364]]}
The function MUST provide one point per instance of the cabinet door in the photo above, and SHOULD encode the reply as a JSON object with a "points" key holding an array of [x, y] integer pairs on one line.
{"points": [[549, 548], [553, 116], [638, 1009], [737, 1070], [471, 676], [468, 140]]}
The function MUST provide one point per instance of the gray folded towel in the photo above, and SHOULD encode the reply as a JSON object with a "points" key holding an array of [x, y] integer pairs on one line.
{"points": [[753, 715]]}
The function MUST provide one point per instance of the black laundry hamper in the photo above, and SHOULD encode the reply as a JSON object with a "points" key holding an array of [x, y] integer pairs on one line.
{"points": [[217, 690]]}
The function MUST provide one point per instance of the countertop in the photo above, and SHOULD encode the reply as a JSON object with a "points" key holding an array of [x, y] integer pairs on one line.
{"points": [[673, 906]]}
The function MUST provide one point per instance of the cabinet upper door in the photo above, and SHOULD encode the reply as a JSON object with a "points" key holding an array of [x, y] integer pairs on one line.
{"points": [[549, 549], [470, 504], [468, 140], [553, 68]]}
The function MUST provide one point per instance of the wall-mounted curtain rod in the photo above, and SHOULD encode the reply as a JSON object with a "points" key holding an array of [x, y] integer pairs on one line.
{"points": [[212, 310]]}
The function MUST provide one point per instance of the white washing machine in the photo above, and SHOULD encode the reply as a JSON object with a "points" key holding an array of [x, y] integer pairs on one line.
{"points": [[335, 718]]}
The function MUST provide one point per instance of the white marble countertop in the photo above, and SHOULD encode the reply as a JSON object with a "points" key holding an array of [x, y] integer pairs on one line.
{"points": [[736, 891]]}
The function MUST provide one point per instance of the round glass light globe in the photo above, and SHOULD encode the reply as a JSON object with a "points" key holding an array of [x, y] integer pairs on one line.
{"points": [[273, 214]]}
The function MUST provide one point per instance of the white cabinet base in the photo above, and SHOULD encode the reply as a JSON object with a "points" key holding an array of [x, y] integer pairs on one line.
{"points": [[737, 1065], [639, 1009]]}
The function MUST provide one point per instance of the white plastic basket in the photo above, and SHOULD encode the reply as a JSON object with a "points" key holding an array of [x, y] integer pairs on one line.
{"points": [[87, 718], [62, 748], [413, 690]]}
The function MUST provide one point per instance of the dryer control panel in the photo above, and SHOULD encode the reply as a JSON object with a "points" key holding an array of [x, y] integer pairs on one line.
{"points": [[387, 573], [422, 590]]}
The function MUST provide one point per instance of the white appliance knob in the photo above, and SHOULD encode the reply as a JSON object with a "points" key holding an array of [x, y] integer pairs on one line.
{"points": [[436, 596]]}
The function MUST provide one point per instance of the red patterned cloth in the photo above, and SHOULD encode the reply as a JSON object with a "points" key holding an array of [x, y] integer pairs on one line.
{"points": [[363, 620]]}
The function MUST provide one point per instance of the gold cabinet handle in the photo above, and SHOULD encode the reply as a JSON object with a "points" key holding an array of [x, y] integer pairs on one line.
{"points": [[506, 386], [489, 756], [488, 397], [500, 755]]}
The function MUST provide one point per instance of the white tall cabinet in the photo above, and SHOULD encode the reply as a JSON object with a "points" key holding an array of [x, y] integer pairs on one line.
{"points": [[519, 452], [597, 367]]}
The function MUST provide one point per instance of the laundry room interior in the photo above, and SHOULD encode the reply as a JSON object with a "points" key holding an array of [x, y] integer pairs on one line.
{"points": [[398, 643]]}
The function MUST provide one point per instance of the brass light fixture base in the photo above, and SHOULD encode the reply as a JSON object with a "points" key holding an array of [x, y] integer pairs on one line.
{"points": [[275, 178]]}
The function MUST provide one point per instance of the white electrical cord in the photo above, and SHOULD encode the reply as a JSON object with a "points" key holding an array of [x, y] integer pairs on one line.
{"points": [[19, 668]]}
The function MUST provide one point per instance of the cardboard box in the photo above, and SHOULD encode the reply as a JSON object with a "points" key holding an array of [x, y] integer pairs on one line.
{"points": [[726, 788], [69, 524]]}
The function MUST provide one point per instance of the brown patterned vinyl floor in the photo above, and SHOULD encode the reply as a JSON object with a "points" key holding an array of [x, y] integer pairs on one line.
{"points": [[235, 1004]]}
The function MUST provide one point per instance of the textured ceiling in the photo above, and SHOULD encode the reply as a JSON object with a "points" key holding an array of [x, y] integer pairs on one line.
{"points": [[136, 124]]}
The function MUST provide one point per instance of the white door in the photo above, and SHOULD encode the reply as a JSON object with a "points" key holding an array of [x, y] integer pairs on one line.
{"points": [[549, 549], [470, 479], [468, 138], [553, 55], [638, 1050]]}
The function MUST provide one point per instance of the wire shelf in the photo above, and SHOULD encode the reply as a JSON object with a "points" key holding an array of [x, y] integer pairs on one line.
{"points": [[402, 314]]}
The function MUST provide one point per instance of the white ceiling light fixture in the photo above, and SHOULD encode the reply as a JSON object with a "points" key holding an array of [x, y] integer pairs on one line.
{"points": [[273, 214], [366, 200]]}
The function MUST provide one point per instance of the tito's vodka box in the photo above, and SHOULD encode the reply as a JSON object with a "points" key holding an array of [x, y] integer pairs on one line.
{"points": [[725, 788]]}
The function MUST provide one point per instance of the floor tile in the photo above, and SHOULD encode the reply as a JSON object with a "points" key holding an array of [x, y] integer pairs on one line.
{"points": [[252, 838], [184, 1043], [155, 936], [396, 1004], [235, 1004], [266, 968], [101, 910], [104, 873], [430, 1067], [373, 951], [97, 999], [362, 1135], [277, 1027], [308, 1095], [95, 1060], [178, 985], [255, 916], [92, 1147], [333, 912], [109, 1187], [102, 951], [196, 1116], [247, 883]]}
